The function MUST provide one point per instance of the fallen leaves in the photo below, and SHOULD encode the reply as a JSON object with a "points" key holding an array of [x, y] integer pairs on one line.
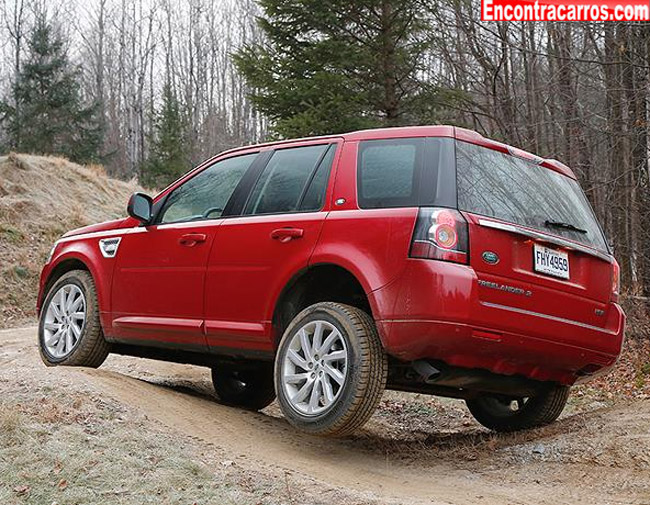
{"points": [[22, 490]]}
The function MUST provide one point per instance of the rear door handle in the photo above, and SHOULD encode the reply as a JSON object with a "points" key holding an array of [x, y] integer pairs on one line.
{"points": [[191, 239], [287, 234]]}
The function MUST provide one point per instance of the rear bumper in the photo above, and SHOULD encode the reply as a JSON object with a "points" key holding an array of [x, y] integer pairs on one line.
{"points": [[437, 314]]}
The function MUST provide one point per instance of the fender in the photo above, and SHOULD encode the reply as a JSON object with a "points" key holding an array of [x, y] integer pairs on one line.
{"points": [[86, 251], [382, 296], [373, 245], [379, 301]]}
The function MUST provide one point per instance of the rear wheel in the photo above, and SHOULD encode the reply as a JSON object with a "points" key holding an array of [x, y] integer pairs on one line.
{"points": [[330, 369], [69, 331], [249, 386], [505, 413]]}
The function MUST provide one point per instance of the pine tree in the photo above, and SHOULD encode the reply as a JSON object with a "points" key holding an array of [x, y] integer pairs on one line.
{"points": [[50, 117], [169, 151], [329, 66]]}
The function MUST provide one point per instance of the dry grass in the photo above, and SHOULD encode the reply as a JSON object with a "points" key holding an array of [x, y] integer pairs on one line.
{"points": [[40, 199], [11, 426], [72, 449]]}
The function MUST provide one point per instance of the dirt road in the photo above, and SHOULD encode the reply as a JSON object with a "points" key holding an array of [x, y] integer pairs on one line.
{"points": [[598, 457]]}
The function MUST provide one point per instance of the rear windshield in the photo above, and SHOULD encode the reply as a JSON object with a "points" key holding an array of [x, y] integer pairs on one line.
{"points": [[495, 184]]}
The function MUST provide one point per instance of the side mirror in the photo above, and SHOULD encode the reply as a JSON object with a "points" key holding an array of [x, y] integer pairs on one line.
{"points": [[139, 207]]}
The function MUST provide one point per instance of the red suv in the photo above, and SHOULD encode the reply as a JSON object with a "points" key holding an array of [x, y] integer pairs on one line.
{"points": [[327, 269]]}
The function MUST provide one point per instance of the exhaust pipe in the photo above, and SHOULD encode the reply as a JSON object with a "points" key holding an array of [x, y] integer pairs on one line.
{"points": [[427, 373]]}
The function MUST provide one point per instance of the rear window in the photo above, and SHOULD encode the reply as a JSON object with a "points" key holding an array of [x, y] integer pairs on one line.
{"points": [[387, 172], [281, 184], [406, 173], [495, 184]]}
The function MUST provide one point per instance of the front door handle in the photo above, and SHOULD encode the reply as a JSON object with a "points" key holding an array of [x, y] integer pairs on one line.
{"points": [[287, 234], [191, 239]]}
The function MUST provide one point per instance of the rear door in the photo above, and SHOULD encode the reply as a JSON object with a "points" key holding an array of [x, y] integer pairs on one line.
{"points": [[534, 241], [256, 253]]}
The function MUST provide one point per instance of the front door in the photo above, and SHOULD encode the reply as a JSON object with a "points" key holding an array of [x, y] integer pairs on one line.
{"points": [[158, 286]]}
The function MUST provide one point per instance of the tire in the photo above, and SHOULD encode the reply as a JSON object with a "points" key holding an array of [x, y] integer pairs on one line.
{"points": [[249, 387], [354, 365], [85, 346], [497, 413]]}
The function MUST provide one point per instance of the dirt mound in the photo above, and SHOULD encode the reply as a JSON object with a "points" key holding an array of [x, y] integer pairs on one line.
{"points": [[40, 199]]}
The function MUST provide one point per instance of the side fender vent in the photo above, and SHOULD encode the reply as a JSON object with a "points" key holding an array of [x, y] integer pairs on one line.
{"points": [[108, 246]]}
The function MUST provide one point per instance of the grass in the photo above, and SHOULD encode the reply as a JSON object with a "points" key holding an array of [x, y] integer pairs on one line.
{"points": [[645, 369], [21, 272], [71, 449], [40, 199], [11, 234], [642, 375]]}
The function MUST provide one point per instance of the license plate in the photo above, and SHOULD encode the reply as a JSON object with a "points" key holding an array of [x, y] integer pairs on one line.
{"points": [[551, 261]]}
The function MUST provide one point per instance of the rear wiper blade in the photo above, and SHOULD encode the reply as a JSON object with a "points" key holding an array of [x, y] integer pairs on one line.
{"points": [[564, 226]]}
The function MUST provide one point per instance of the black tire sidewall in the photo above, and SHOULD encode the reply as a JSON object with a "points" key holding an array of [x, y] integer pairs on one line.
{"points": [[346, 396], [257, 395], [539, 410], [91, 313]]}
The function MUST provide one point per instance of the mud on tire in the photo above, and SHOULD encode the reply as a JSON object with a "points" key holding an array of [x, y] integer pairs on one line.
{"points": [[352, 403], [90, 348]]}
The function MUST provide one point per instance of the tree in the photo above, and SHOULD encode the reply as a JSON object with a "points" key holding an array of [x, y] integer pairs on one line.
{"points": [[169, 152], [330, 65], [15, 26], [45, 113]]}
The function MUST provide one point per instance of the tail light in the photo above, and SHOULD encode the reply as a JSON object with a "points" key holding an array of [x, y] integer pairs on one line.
{"points": [[616, 281], [440, 234]]}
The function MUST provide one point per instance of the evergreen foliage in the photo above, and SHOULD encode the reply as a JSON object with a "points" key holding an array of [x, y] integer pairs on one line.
{"points": [[331, 66], [169, 155], [44, 113]]}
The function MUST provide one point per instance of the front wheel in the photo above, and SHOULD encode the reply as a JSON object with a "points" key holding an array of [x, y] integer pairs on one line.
{"points": [[330, 369], [69, 331], [504, 413]]}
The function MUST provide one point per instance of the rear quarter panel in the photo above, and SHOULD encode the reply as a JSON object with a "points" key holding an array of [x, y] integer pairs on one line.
{"points": [[372, 244]]}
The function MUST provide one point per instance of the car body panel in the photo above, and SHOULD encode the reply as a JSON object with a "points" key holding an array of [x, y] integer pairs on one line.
{"points": [[441, 313], [584, 296], [157, 291], [84, 248], [247, 271], [114, 224]]}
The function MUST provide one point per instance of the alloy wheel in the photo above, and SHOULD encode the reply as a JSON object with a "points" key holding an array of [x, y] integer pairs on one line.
{"points": [[315, 367], [65, 318]]}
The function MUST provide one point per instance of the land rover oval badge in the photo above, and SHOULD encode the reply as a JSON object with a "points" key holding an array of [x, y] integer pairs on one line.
{"points": [[490, 257]]}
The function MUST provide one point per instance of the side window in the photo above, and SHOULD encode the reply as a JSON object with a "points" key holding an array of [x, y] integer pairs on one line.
{"points": [[315, 195], [388, 172], [206, 194], [281, 184]]}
